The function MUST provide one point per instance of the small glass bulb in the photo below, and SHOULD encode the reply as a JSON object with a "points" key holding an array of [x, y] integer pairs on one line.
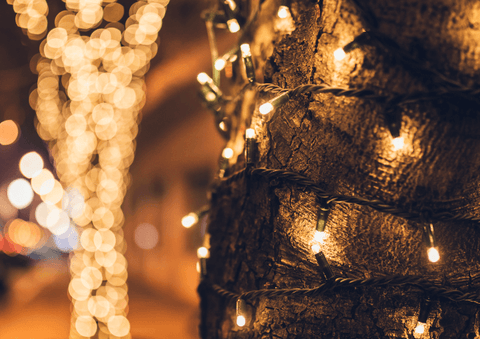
{"points": [[198, 267], [245, 48], [202, 252], [316, 248], [227, 153], [203, 78], [420, 328], [220, 64], [233, 25], [266, 108], [339, 54], [241, 320], [250, 133], [283, 12], [189, 220], [319, 236], [398, 143], [433, 254], [210, 96]]}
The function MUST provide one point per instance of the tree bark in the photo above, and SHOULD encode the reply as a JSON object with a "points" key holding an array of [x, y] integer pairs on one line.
{"points": [[261, 231]]}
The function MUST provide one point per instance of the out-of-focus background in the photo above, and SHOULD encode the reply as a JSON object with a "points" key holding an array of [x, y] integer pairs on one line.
{"points": [[176, 157]]}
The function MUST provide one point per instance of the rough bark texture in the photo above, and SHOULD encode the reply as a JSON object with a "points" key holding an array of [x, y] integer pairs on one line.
{"points": [[261, 232]]}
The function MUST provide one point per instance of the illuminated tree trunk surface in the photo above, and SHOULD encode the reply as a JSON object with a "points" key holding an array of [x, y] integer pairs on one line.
{"points": [[261, 231]]}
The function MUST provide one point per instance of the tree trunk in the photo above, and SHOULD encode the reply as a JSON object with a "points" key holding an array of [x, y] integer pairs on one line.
{"points": [[261, 230]]}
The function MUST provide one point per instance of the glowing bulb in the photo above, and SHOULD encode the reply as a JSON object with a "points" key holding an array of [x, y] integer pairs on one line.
{"points": [[20, 193], [31, 164], [433, 254], [250, 133], [220, 64], [420, 328], [266, 108], [319, 236], [203, 78], [222, 126], [316, 248], [189, 220], [202, 252], [233, 25], [398, 143], [339, 54], [241, 320], [283, 12], [227, 153], [245, 48], [210, 96]]}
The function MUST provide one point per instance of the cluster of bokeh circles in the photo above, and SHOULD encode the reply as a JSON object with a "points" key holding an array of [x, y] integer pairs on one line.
{"points": [[31, 17], [89, 93]]}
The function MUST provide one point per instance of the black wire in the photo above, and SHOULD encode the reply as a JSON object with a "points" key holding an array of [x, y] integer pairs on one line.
{"points": [[429, 288], [423, 216]]}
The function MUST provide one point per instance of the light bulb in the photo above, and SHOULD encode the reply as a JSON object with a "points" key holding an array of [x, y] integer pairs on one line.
{"points": [[241, 320], [398, 143], [203, 78], [227, 153], [245, 48], [222, 126], [233, 25], [202, 252], [319, 236], [250, 133], [220, 64], [231, 4], [316, 248], [339, 54], [266, 108], [189, 220], [433, 254], [420, 328], [283, 12]]}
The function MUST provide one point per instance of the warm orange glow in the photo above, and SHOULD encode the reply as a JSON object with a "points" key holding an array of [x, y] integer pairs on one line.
{"points": [[8, 132]]}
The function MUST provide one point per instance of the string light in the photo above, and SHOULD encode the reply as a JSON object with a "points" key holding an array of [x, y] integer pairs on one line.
{"points": [[283, 12], [398, 143], [204, 79], [425, 307], [247, 59], [230, 8], [323, 264], [340, 53], [432, 251], [274, 103], [250, 146], [189, 220], [241, 308], [202, 254], [323, 212]]}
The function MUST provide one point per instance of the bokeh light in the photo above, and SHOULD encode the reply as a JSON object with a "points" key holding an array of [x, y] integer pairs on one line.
{"points": [[20, 193], [90, 91], [9, 132], [146, 236], [31, 164]]}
